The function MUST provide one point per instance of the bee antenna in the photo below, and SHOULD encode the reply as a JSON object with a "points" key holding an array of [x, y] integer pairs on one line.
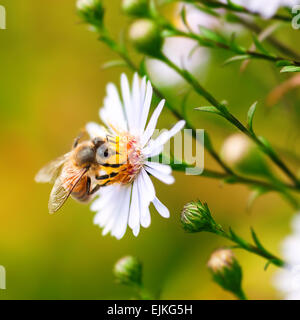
{"points": [[98, 142]]}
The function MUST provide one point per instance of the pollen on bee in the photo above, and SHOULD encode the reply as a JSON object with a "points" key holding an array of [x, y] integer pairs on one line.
{"points": [[125, 162]]}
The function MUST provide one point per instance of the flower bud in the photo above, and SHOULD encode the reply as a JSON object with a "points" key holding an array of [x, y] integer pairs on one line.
{"points": [[226, 271], [196, 217], [146, 37], [136, 8], [128, 271], [240, 153], [91, 11]]}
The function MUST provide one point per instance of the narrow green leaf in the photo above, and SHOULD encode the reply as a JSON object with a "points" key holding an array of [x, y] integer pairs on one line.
{"points": [[259, 45], [238, 240], [267, 265], [143, 69], [114, 63], [168, 33], [230, 180], [237, 58], [234, 46], [212, 35], [254, 195], [290, 69], [206, 10], [250, 116], [283, 63], [235, 6], [256, 240], [267, 145], [209, 109]]}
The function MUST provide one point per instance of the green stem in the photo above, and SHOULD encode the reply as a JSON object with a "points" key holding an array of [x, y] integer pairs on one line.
{"points": [[240, 295], [254, 249], [283, 48], [144, 294], [250, 53], [231, 118], [236, 179], [238, 9]]}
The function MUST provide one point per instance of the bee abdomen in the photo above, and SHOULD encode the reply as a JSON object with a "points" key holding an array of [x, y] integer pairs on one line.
{"points": [[80, 192]]}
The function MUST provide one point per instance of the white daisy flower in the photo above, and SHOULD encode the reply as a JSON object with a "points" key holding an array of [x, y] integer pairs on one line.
{"points": [[126, 202], [266, 8], [287, 280]]}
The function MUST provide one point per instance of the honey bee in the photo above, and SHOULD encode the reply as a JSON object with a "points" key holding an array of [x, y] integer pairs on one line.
{"points": [[81, 172]]}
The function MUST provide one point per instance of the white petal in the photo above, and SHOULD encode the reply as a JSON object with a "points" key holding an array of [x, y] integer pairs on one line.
{"points": [[178, 127], [161, 208], [120, 226], [142, 97], [146, 107], [134, 214], [95, 130], [146, 185], [113, 111], [152, 123], [127, 101], [115, 212], [145, 218], [153, 151], [136, 231], [136, 101], [144, 198], [106, 215], [105, 204], [163, 138], [165, 178], [106, 196], [163, 168]]}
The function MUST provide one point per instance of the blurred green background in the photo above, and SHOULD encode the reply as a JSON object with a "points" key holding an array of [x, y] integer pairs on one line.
{"points": [[51, 84]]}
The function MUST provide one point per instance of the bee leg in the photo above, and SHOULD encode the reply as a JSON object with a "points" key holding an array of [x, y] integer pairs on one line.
{"points": [[95, 189], [78, 138], [76, 141], [90, 192]]}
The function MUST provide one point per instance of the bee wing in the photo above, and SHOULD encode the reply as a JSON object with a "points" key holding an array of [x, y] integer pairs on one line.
{"points": [[63, 187], [50, 171]]}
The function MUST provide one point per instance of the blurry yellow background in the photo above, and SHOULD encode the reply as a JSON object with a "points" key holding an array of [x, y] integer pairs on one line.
{"points": [[51, 84]]}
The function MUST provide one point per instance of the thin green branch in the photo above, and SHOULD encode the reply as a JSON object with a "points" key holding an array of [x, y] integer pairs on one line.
{"points": [[258, 250], [196, 217], [236, 179], [205, 41], [283, 48], [238, 9], [231, 118]]}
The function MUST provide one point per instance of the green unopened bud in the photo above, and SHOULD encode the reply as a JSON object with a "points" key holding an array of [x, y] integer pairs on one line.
{"points": [[128, 271], [240, 153], [226, 271], [145, 36], [196, 217], [91, 11], [136, 8]]}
